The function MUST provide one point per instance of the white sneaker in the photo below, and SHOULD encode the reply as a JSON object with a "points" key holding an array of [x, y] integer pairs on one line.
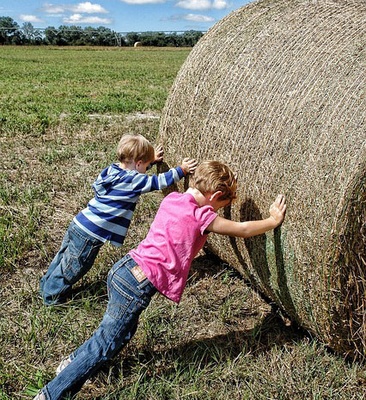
{"points": [[63, 364], [40, 396]]}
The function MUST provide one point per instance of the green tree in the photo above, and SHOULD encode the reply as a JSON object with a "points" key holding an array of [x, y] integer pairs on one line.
{"points": [[31, 35], [51, 35], [190, 38], [132, 38], [105, 37], [9, 31], [70, 35], [90, 36]]}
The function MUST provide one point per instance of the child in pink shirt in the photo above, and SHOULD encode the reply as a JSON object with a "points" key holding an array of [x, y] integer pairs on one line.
{"points": [[160, 263]]}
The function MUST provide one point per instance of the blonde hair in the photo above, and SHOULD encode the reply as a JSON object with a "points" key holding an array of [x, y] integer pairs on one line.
{"points": [[212, 176], [135, 148]]}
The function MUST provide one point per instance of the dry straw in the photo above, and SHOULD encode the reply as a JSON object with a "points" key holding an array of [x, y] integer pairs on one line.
{"points": [[277, 91]]}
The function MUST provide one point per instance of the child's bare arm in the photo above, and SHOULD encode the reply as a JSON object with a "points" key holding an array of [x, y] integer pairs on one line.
{"points": [[189, 165], [247, 229]]}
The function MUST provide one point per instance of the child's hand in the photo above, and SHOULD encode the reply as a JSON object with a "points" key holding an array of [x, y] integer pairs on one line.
{"points": [[189, 165], [278, 209], [159, 154]]}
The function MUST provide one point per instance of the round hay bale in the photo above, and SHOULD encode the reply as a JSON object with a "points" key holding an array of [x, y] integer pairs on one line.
{"points": [[137, 44], [277, 91]]}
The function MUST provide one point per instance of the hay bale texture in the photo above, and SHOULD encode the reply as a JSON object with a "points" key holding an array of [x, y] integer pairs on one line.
{"points": [[277, 91]]}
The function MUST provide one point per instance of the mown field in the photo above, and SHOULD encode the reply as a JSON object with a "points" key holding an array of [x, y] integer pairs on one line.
{"points": [[62, 112]]}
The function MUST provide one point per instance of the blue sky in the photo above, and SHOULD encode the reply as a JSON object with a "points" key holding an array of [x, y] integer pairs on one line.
{"points": [[121, 15]]}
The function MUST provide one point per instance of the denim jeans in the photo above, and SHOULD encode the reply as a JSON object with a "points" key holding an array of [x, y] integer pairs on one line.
{"points": [[74, 259], [127, 298]]}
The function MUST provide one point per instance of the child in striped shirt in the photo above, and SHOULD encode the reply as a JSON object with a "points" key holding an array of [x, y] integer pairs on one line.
{"points": [[108, 215]]}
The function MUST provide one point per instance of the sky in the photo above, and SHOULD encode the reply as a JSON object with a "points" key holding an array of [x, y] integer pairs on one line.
{"points": [[122, 15]]}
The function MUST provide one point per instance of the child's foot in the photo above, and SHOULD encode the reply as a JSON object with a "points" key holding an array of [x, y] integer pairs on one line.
{"points": [[63, 364], [40, 396]]}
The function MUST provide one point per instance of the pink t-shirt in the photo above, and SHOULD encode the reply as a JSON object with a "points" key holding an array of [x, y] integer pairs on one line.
{"points": [[175, 237]]}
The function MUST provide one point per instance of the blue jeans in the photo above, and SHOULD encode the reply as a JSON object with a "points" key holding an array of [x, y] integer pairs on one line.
{"points": [[128, 296], [74, 259]]}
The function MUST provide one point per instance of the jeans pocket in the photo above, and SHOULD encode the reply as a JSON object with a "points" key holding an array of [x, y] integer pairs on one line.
{"points": [[77, 242], [119, 303], [80, 255], [90, 253]]}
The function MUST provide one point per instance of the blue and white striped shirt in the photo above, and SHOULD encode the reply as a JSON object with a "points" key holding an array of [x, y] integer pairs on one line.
{"points": [[108, 215]]}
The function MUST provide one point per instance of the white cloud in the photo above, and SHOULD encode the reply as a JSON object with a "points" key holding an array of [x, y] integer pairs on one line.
{"points": [[139, 2], [86, 7], [80, 19], [79, 10], [53, 8], [194, 4], [202, 4], [191, 17], [220, 4], [198, 18], [29, 18]]}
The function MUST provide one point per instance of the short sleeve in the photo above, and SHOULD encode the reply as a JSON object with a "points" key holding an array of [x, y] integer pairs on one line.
{"points": [[205, 215]]}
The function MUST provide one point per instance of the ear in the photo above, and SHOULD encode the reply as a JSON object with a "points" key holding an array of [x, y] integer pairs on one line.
{"points": [[216, 195]]}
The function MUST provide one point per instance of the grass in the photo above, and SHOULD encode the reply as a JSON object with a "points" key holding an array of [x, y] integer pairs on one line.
{"points": [[62, 114], [75, 84]]}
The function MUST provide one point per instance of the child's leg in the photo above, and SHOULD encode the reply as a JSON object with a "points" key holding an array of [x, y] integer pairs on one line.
{"points": [[127, 299], [74, 259], [56, 260]]}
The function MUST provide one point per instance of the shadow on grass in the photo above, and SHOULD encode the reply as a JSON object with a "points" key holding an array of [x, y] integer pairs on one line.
{"points": [[272, 331], [200, 354], [274, 328], [87, 289]]}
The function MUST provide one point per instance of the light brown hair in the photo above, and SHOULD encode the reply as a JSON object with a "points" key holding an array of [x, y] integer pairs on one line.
{"points": [[134, 148], [212, 176]]}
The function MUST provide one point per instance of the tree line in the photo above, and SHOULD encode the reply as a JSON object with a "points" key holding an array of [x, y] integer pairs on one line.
{"points": [[12, 34]]}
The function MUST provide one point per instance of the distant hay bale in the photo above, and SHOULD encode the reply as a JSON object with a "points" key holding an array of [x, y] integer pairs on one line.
{"points": [[137, 44], [277, 91]]}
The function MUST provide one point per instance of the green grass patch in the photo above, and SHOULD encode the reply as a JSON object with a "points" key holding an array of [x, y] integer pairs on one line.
{"points": [[40, 86]]}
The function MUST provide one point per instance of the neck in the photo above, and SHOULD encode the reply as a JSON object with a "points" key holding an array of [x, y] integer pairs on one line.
{"points": [[130, 165], [198, 196]]}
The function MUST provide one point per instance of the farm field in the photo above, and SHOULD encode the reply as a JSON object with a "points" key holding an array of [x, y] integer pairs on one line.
{"points": [[62, 112]]}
